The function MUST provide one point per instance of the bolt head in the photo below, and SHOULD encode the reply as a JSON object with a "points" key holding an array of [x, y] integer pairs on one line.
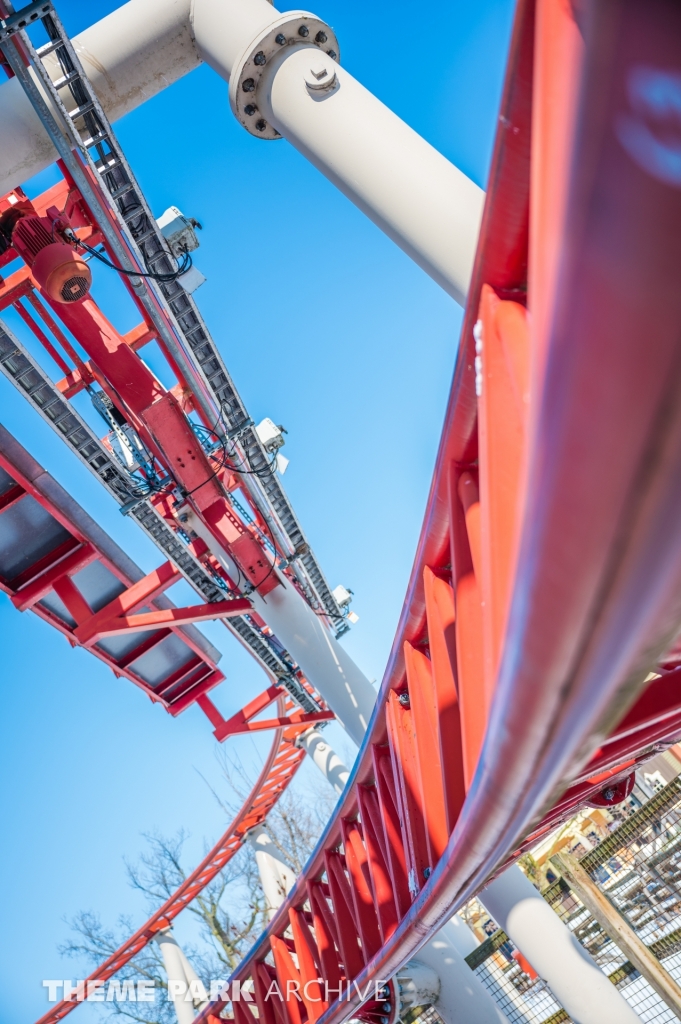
{"points": [[248, 85], [321, 37], [303, 31], [280, 39], [404, 700], [250, 109], [261, 124], [260, 58], [321, 77], [332, 54]]}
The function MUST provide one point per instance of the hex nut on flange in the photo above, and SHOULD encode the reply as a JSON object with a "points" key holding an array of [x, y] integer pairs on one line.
{"points": [[249, 69]]}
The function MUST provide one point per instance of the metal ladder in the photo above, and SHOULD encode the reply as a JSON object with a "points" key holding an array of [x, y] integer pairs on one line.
{"points": [[172, 310]]}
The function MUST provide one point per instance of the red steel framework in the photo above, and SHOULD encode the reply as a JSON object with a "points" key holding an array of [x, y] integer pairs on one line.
{"points": [[283, 761], [547, 581]]}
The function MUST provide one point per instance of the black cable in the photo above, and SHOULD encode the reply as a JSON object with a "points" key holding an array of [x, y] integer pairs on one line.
{"points": [[162, 278], [223, 465], [268, 470]]}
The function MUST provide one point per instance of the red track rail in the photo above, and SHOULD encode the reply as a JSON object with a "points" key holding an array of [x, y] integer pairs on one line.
{"points": [[281, 765], [548, 577]]}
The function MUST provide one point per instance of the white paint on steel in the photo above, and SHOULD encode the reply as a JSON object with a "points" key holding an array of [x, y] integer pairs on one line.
{"points": [[556, 955], [424, 203], [325, 758], [178, 983], [413, 193], [417, 985], [129, 56], [276, 876], [326, 664], [462, 998]]}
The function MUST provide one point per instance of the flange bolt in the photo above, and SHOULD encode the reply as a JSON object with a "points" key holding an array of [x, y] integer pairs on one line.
{"points": [[248, 85], [281, 39], [404, 700], [260, 58], [261, 124], [332, 54], [250, 109], [321, 37], [303, 31]]}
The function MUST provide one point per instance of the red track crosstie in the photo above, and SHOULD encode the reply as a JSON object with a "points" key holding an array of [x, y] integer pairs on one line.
{"points": [[534, 665], [283, 761]]}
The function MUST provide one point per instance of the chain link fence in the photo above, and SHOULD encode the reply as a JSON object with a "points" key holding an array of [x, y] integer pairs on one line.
{"points": [[638, 867]]}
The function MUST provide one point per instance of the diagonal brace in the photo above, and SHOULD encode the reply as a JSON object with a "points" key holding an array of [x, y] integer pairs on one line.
{"points": [[120, 615]]}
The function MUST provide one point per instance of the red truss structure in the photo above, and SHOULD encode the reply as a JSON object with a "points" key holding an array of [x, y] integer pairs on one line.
{"points": [[547, 580], [57, 562], [536, 660]]}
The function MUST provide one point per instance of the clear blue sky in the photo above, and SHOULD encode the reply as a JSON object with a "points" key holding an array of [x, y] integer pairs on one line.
{"points": [[345, 342]]}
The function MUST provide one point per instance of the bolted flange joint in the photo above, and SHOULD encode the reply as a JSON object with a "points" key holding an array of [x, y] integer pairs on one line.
{"points": [[291, 30]]}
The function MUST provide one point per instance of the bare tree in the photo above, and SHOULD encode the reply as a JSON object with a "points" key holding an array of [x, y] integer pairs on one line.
{"points": [[231, 910]]}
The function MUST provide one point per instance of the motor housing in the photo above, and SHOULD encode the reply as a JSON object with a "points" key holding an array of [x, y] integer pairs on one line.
{"points": [[61, 273]]}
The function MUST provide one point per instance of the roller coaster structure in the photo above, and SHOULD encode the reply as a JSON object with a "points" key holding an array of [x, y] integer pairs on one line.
{"points": [[534, 665]]}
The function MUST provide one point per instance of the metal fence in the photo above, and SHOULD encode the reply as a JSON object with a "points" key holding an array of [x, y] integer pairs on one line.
{"points": [[638, 866], [524, 999]]}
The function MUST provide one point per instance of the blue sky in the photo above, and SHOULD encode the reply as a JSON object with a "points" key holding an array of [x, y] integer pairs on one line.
{"points": [[345, 342]]}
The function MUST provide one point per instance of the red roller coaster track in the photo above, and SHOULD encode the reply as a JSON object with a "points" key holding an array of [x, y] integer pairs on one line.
{"points": [[531, 670], [547, 583]]}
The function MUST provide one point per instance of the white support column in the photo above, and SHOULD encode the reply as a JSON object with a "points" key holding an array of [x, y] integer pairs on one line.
{"points": [[276, 876], [174, 962], [413, 193], [462, 998], [554, 952], [325, 758], [136, 51], [326, 664]]}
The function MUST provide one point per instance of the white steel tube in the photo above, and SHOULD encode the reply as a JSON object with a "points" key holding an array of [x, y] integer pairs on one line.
{"points": [[325, 758], [323, 660], [410, 190], [178, 984], [326, 664], [413, 193], [554, 952], [424, 203], [129, 56], [276, 876], [462, 998]]}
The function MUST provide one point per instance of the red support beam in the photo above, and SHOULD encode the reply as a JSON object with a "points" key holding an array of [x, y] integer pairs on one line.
{"points": [[11, 497], [90, 632], [39, 587]]}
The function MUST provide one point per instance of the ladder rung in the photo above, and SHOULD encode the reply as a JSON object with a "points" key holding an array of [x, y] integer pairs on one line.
{"points": [[147, 234], [107, 164], [118, 192], [79, 111], [94, 140], [50, 47], [65, 79]]}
